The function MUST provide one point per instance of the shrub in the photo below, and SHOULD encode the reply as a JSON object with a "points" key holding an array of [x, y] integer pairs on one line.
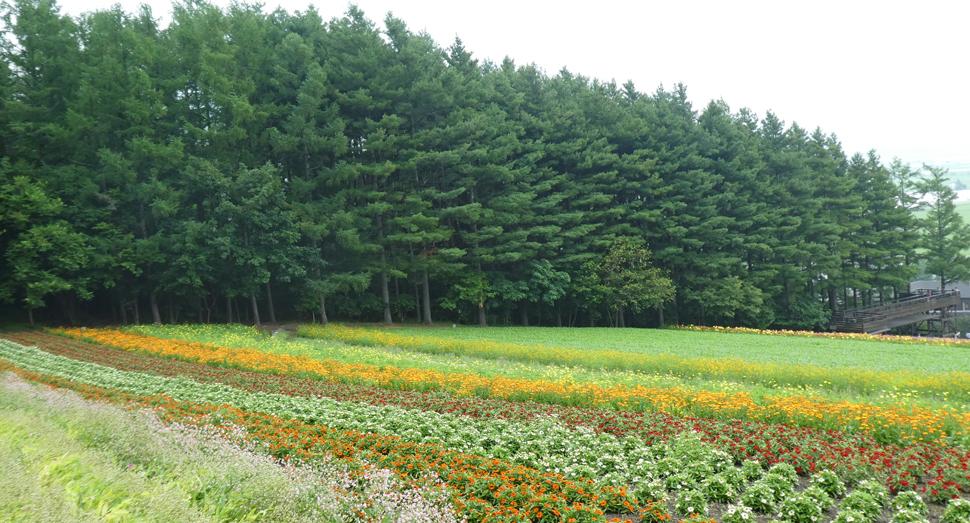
{"points": [[719, 490], [786, 471], [681, 481], [957, 511], [669, 466], [819, 496], [908, 516], [877, 490], [734, 477], [654, 512], [862, 502], [691, 502], [651, 491], [940, 492], [760, 497], [909, 500], [752, 469], [739, 513], [781, 485], [800, 509], [830, 482], [851, 515], [694, 518]]}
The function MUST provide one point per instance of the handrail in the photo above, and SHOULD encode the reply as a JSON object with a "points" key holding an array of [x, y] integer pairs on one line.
{"points": [[901, 302], [875, 317]]}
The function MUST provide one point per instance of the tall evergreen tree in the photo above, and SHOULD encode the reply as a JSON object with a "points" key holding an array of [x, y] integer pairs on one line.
{"points": [[944, 236]]}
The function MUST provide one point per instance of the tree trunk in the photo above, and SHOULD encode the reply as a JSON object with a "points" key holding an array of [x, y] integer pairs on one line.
{"points": [[524, 313], [558, 316], [156, 317], [137, 315], [676, 310], [269, 300], [660, 313], [228, 309], [385, 293], [620, 316], [252, 301], [124, 311], [417, 305], [323, 310], [482, 320], [30, 315], [426, 291]]}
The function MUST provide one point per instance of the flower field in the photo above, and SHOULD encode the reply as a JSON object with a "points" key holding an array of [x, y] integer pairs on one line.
{"points": [[498, 449], [890, 424], [952, 380]]}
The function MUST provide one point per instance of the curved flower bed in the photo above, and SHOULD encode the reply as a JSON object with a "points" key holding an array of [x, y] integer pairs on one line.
{"points": [[942, 384], [831, 335], [808, 450], [488, 489], [891, 424]]}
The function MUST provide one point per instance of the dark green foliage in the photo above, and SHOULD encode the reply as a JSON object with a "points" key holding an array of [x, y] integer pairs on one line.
{"points": [[238, 160]]}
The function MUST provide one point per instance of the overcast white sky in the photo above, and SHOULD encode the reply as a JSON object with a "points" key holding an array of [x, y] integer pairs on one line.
{"points": [[887, 75]]}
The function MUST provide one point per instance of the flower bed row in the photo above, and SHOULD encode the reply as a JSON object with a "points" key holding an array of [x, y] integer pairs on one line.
{"points": [[912, 340], [808, 450], [891, 424], [488, 489], [866, 381]]}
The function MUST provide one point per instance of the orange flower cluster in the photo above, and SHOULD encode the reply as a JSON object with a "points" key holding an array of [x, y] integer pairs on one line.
{"points": [[893, 423]]}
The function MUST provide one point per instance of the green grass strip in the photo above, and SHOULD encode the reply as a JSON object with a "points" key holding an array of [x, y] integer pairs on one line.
{"points": [[953, 385]]}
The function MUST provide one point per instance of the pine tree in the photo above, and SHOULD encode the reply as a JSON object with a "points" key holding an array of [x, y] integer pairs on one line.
{"points": [[944, 237]]}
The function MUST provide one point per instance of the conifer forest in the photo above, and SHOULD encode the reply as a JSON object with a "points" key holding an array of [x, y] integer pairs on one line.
{"points": [[236, 165]]}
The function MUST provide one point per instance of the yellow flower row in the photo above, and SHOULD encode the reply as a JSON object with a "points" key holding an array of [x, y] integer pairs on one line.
{"points": [[906, 424], [912, 340], [859, 379]]}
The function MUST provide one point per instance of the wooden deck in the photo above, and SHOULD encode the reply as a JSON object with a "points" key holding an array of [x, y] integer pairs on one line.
{"points": [[934, 306]]}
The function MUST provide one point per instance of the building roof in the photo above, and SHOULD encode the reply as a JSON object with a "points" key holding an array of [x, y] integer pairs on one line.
{"points": [[962, 286]]}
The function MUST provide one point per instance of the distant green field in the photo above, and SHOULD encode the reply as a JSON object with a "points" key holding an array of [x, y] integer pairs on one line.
{"points": [[962, 208], [751, 347]]}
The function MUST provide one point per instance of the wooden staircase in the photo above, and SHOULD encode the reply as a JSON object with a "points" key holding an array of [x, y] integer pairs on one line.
{"points": [[930, 309]]}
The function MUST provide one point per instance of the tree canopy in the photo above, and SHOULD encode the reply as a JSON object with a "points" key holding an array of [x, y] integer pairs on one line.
{"points": [[240, 165]]}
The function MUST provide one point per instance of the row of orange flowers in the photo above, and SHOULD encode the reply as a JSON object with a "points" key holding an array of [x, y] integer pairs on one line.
{"points": [[860, 379], [892, 424]]}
